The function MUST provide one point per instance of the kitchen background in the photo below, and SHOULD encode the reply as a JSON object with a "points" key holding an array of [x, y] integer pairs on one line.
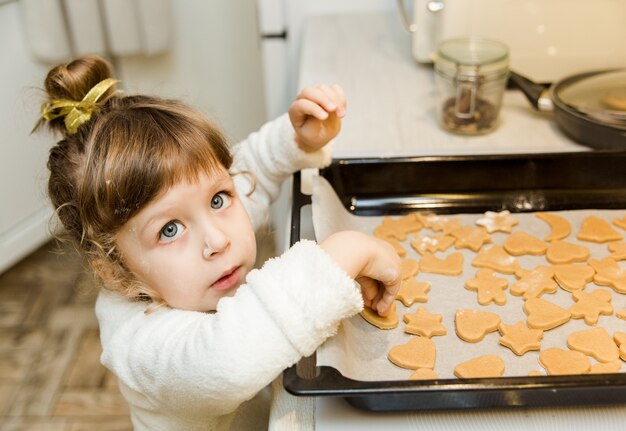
{"points": [[236, 61]]}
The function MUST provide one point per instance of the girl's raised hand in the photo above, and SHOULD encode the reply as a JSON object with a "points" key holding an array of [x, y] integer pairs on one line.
{"points": [[316, 115]]}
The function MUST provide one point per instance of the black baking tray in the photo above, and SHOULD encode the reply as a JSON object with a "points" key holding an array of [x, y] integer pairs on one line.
{"points": [[467, 184]]}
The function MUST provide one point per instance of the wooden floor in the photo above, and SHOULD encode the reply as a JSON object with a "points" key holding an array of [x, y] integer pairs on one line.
{"points": [[51, 378]]}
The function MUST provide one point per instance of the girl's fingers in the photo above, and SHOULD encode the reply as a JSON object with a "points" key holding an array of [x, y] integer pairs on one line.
{"points": [[330, 98], [303, 108]]}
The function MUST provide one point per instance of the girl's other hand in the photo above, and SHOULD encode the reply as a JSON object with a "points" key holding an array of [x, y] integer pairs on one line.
{"points": [[316, 115], [372, 262]]}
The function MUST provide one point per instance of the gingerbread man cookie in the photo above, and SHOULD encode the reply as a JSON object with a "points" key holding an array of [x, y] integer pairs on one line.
{"points": [[489, 287], [497, 259], [566, 252], [501, 221], [473, 325], [424, 323], [559, 226], [590, 305], [595, 229], [520, 338], [521, 243], [450, 265]]}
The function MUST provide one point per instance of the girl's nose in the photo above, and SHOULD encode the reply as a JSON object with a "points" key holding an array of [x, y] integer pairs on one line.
{"points": [[214, 243]]}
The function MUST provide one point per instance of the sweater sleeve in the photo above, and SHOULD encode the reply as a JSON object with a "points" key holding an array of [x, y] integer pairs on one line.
{"points": [[190, 363], [270, 155]]}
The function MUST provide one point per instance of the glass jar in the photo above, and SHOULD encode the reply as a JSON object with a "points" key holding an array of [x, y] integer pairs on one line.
{"points": [[471, 75]]}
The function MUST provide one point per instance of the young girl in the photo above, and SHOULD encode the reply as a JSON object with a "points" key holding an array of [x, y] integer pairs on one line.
{"points": [[165, 214]]}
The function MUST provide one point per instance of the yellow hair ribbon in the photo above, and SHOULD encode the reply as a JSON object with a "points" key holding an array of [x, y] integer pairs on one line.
{"points": [[75, 113]]}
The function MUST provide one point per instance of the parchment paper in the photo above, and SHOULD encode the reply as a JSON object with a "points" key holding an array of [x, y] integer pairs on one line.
{"points": [[359, 350]]}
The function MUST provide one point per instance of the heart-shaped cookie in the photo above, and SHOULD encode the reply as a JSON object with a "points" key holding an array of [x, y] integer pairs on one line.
{"points": [[559, 362], [566, 252], [572, 276], [595, 342], [609, 273], [418, 352], [544, 315], [473, 325]]}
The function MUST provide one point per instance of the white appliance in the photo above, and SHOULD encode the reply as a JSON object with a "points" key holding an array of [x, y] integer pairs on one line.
{"points": [[548, 39]]}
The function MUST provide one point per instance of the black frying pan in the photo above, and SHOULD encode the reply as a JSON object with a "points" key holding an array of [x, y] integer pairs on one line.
{"points": [[588, 107]]}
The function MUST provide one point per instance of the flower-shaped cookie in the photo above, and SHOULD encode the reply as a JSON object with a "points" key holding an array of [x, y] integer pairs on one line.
{"points": [[501, 221], [489, 287], [595, 229], [424, 323], [412, 291], [471, 237], [431, 243], [534, 283], [398, 227]]}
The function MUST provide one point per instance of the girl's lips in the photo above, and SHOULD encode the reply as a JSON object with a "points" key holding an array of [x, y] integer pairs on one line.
{"points": [[227, 281]]}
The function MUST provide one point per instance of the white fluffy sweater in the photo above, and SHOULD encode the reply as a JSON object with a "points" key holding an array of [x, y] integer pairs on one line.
{"points": [[186, 370]]}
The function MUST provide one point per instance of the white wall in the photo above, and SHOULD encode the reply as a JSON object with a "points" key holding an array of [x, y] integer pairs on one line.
{"points": [[214, 64]]}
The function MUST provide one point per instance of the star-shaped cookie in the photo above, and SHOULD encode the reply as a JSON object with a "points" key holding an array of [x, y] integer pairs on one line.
{"points": [[501, 221], [424, 323], [412, 291]]}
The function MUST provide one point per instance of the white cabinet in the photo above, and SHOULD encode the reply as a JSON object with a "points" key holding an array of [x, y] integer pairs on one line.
{"points": [[24, 209]]}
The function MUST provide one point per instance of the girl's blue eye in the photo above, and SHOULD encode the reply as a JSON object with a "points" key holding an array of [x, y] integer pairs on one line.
{"points": [[220, 200], [171, 231]]}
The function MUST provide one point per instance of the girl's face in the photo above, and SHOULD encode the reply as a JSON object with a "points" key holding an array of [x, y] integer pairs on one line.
{"points": [[193, 244]]}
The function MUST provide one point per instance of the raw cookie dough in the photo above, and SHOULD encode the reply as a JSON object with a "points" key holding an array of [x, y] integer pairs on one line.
{"points": [[559, 362], [473, 325], [424, 323], [482, 366], [545, 315], [520, 338], [595, 229], [520, 243], [590, 305], [450, 265], [389, 321], [594, 342], [489, 287], [501, 221], [566, 252], [412, 291], [418, 352], [560, 227]]}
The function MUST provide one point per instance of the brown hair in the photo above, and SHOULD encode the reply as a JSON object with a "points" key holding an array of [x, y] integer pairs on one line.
{"points": [[131, 149]]}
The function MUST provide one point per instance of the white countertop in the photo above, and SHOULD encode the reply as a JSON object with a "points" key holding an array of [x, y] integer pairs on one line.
{"points": [[391, 112], [391, 98]]}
